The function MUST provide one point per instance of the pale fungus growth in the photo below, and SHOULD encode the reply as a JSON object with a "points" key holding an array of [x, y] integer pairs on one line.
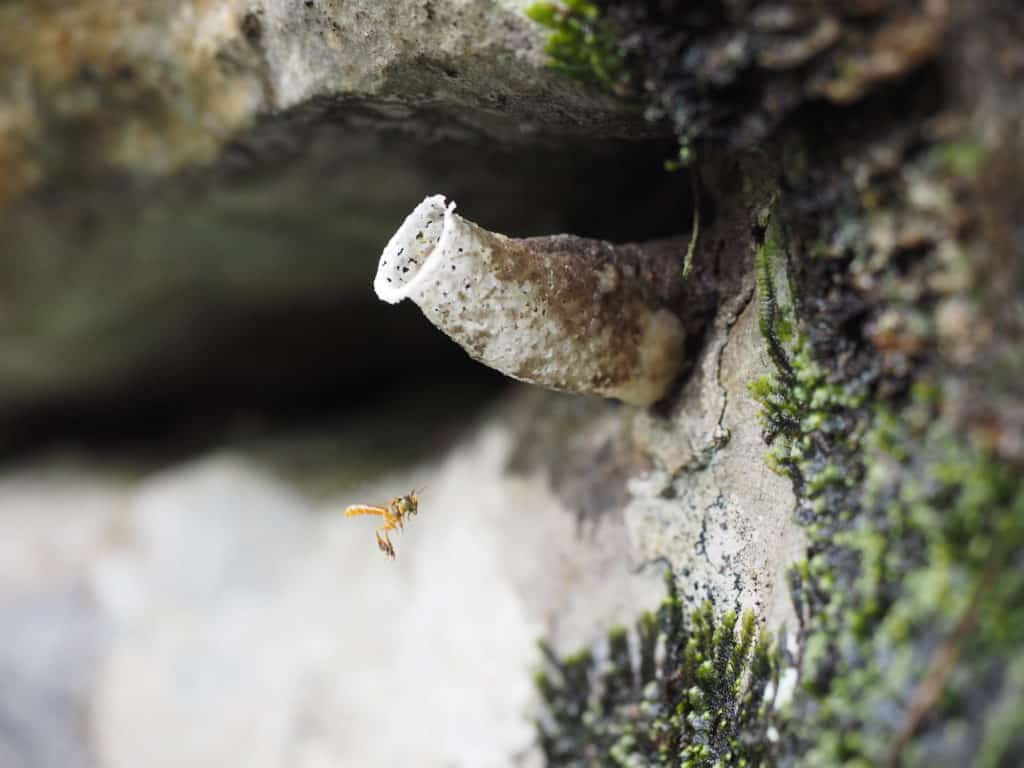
{"points": [[564, 312]]}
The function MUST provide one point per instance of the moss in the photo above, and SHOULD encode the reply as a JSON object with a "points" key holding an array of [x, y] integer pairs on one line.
{"points": [[912, 596], [914, 603], [961, 158], [705, 702], [581, 45], [910, 599], [774, 320], [797, 400]]}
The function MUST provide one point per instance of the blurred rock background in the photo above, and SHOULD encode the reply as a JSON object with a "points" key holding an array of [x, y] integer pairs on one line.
{"points": [[184, 178], [195, 378], [214, 611]]}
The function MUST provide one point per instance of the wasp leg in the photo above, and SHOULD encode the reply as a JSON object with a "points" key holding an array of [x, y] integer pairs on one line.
{"points": [[394, 516], [384, 542]]}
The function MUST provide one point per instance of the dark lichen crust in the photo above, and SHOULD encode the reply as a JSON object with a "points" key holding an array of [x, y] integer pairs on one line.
{"points": [[733, 71], [687, 691]]}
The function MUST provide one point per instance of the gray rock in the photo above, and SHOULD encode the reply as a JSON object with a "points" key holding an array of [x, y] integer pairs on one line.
{"points": [[221, 615], [49, 656], [193, 197], [718, 514], [156, 87]]}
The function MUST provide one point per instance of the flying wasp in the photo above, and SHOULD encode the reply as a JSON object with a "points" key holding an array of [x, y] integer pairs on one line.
{"points": [[394, 514]]}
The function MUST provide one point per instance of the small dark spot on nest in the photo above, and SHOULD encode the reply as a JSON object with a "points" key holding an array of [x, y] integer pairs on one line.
{"points": [[87, 73], [252, 27]]}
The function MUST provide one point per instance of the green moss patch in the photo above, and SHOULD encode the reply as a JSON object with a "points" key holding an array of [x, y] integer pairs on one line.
{"points": [[912, 597], [581, 44], [687, 691]]}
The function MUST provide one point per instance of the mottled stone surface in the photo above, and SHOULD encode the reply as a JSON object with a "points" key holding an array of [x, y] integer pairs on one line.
{"points": [[152, 87], [712, 507]]}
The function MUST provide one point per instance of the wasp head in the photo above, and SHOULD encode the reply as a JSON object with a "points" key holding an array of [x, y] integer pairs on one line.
{"points": [[408, 505]]}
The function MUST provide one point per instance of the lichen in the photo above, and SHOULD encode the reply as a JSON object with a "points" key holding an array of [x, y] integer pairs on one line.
{"points": [[913, 602], [912, 597], [731, 72], [888, 301], [704, 699]]}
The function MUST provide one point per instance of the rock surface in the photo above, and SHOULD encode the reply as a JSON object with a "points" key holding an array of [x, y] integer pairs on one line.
{"points": [[192, 199], [224, 610], [213, 613], [713, 508], [180, 178], [152, 88]]}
